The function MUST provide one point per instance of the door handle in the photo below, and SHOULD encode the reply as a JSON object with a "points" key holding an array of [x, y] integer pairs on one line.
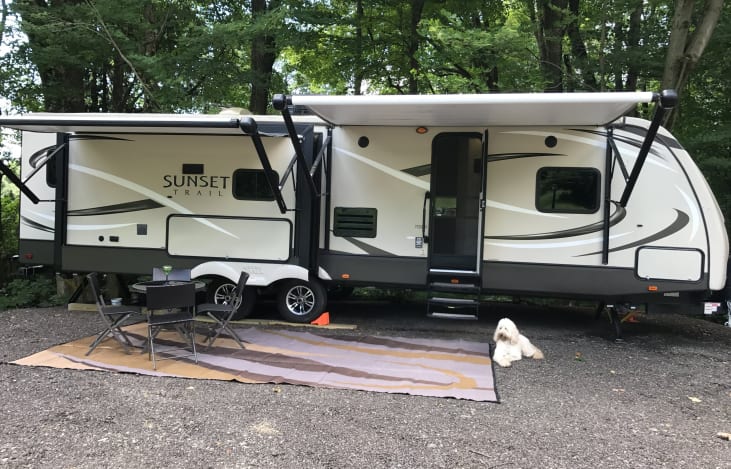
{"points": [[427, 196]]}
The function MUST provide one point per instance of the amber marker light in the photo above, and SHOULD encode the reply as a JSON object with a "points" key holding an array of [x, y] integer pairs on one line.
{"points": [[421, 130], [652, 288], [345, 276], [454, 280]]}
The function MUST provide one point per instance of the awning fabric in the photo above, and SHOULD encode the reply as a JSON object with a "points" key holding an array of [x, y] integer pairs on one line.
{"points": [[474, 110], [131, 123], [482, 110]]}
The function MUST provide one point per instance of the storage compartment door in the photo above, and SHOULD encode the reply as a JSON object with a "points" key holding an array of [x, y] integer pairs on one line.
{"points": [[654, 263]]}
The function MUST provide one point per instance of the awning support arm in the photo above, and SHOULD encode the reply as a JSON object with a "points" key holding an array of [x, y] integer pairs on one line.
{"points": [[666, 100], [319, 157], [618, 158], [249, 127], [280, 103], [609, 175], [287, 172], [18, 183]]}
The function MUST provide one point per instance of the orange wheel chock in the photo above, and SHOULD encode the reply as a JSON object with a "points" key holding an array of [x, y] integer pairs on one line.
{"points": [[322, 320]]}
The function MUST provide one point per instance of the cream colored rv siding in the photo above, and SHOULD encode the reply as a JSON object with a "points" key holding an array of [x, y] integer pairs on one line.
{"points": [[664, 210], [42, 214], [511, 191]]}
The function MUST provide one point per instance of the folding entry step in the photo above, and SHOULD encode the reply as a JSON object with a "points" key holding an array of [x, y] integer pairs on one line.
{"points": [[453, 295]]}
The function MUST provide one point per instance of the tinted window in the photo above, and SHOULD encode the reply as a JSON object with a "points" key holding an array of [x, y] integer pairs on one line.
{"points": [[251, 184], [567, 190]]}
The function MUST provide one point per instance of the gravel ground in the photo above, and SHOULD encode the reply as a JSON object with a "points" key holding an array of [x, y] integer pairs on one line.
{"points": [[656, 400]]}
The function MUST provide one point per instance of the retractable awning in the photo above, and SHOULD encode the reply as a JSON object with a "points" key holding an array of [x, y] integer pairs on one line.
{"points": [[136, 123], [402, 110], [101, 123], [482, 110]]}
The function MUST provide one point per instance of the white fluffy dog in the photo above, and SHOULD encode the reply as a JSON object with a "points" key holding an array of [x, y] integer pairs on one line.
{"points": [[511, 345]]}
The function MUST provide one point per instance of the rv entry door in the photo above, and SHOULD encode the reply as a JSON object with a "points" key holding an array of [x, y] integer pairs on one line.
{"points": [[457, 188]]}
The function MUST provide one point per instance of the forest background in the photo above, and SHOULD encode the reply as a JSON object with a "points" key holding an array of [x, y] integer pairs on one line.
{"points": [[202, 56]]}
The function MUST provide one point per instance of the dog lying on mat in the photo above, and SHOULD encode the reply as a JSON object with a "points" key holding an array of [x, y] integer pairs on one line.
{"points": [[511, 345]]}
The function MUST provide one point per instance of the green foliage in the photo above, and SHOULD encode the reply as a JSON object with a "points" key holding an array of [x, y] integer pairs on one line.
{"points": [[21, 292], [395, 295], [480, 51], [10, 202], [128, 55], [704, 123], [9, 225], [189, 55]]}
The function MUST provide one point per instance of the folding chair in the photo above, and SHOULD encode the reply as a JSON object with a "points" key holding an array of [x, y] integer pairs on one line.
{"points": [[170, 307], [222, 313], [175, 274], [113, 317]]}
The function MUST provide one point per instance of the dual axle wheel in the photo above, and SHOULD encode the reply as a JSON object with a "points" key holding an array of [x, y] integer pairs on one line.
{"points": [[297, 300]]}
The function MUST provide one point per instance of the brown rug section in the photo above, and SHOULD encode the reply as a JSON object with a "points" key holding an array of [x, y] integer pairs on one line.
{"points": [[424, 367]]}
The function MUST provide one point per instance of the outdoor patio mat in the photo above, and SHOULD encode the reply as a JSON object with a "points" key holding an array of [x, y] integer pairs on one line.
{"points": [[423, 366]]}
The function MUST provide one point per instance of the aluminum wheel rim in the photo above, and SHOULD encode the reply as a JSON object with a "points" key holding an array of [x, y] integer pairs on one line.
{"points": [[300, 300], [224, 294]]}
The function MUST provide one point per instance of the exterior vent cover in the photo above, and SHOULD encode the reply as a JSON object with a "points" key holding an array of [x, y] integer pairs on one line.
{"points": [[355, 222]]}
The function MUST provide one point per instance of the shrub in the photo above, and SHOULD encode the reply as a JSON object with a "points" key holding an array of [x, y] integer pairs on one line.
{"points": [[21, 292]]}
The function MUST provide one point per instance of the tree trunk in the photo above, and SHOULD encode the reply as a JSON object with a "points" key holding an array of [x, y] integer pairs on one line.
{"points": [[417, 7], [62, 81], [3, 18], [634, 35], [358, 71], [685, 49], [549, 22], [578, 49], [263, 55]]}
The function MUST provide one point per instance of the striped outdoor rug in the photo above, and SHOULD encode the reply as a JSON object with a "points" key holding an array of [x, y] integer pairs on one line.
{"points": [[425, 367]]}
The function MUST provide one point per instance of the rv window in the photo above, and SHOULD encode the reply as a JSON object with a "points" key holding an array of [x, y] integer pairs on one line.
{"points": [[567, 190], [356, 222], [252, 184]]}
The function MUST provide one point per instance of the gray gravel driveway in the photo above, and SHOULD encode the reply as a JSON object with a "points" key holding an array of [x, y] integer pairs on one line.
{"points": [[656, 400]]}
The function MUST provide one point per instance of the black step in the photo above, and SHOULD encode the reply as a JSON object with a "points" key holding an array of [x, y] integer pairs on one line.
{"points": [[443, 315], [454, 287], [452, 308], [452, 272], [454, 302]]}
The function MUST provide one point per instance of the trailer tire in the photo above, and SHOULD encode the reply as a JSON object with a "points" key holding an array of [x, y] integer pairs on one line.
{"points": [[301, 301], [220, 291]]}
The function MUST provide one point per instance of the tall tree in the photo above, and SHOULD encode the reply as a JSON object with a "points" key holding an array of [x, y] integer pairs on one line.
{"points": [[550, 21], [703, 124], [54, 33], [263, 54], [580, 57], [137, 55], [3, 18], [478, 46], [690, 33], [413, 41]]}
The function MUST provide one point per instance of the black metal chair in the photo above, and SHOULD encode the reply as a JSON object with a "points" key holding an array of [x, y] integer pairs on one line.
{"points": [[223, 313], [113, 316], [171, 307]]}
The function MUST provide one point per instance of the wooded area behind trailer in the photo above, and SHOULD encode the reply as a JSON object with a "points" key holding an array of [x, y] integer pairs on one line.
{"points": [[552, 195]]}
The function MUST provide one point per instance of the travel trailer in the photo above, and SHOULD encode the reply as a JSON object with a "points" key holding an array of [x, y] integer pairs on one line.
{"points": [[548, 195]]}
